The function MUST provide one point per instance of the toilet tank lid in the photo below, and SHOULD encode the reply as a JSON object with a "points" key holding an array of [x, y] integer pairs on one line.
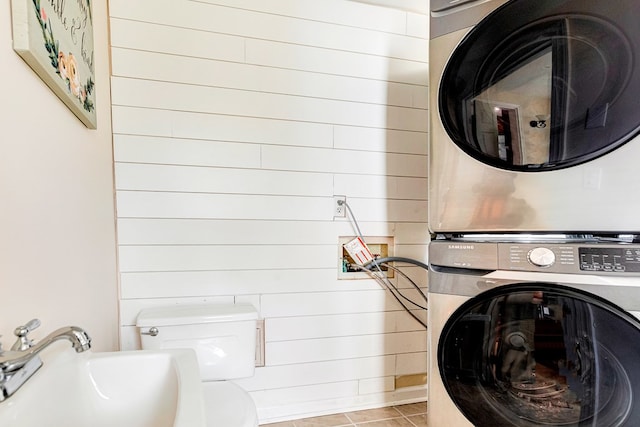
{"points": [[195, 313]]}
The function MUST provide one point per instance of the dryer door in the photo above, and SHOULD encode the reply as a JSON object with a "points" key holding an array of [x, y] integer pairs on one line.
{"points": [[542, 355], [546, 84]]}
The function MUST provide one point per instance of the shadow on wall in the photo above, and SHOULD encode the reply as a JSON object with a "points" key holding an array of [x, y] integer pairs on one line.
{"points": [[406, 206]]}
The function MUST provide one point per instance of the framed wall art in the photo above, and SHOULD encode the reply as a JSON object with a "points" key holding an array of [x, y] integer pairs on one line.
{"points": [[55, 37]]}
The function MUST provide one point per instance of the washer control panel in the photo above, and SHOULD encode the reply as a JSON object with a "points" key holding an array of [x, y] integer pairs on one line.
{"points": [[556, 258], [570, 258], [551, 257], [621, 259]]}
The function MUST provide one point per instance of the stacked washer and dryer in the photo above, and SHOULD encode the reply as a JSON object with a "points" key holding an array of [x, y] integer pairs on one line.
{"points": [[534, 209]]}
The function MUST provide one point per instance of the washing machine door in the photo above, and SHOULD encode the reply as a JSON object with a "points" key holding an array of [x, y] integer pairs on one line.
{"points": [[542, 355], [546, 84]]}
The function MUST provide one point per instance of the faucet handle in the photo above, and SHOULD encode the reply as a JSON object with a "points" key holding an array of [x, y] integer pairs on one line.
{"points": [[21, 332]]}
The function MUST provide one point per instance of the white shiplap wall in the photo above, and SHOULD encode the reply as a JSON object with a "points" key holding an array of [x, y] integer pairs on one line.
{"points": [[235, 122]]}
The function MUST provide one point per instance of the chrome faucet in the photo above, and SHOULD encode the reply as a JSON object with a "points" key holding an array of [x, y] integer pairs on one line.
{"points": [[22, 361]]}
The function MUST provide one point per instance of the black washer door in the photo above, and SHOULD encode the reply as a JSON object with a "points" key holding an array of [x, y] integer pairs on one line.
{"points": [[545, 84], [542, 355]]}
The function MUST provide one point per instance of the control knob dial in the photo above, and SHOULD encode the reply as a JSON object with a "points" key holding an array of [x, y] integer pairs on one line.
{"points": [[542, 257]]}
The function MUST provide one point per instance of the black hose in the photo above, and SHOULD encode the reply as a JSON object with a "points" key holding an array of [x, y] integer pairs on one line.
{"points": [[397, 259]]}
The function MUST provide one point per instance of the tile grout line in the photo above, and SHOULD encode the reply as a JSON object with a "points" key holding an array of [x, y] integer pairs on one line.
{"points": [[352, 423], [364, 424]]}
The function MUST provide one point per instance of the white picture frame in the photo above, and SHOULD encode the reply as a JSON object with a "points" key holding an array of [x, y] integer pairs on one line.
{"points": [[55, 37]]}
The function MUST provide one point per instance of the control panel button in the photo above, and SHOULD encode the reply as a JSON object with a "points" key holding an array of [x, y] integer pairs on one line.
{"points": [[542, 257]]}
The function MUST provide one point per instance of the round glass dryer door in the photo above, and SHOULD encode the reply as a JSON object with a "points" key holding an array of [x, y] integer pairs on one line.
{"points": [[545, 84], [542, 355]]}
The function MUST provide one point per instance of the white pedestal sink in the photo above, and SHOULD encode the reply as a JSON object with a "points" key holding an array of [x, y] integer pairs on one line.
{"points": [[130, 388]]}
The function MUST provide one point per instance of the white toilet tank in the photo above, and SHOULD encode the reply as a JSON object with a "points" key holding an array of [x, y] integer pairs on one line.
{"points": [[223, 336]]}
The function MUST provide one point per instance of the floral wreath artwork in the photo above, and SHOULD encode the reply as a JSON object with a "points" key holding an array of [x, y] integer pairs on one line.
{"points": [[56, 39]]}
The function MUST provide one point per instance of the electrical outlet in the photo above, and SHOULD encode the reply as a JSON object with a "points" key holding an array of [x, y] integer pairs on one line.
{"points": [[339, 206]]}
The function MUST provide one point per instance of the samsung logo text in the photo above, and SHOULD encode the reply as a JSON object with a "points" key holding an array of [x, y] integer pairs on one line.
{"points": [[462, 247]]}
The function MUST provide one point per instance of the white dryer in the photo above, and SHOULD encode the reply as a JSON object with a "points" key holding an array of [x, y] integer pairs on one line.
{"points": [[534, 333], [535, 114]]}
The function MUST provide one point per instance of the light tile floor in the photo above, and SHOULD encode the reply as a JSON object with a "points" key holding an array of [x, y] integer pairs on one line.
{"points": [[411, 415]]}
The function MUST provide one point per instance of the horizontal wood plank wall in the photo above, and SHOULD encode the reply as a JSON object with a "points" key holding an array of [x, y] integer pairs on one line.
{"points": [[235, 122]]}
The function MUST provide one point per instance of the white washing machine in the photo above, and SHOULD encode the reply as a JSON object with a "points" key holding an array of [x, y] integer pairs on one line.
{"points": [[535, 114], [534, 332]]}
